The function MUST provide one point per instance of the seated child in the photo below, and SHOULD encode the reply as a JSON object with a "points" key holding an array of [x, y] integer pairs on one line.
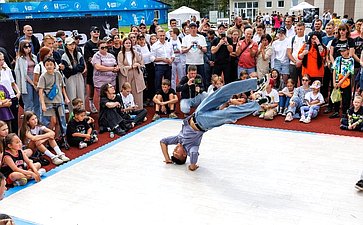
{"points": [[165, 100], [269, 110], [217, 82], [5, 102], [16, 165], [313, 100], [129, 106], [79, 132], [354, 120], [78, 103], [279, 83], [35, 137], [243, 75], [285, 95]]}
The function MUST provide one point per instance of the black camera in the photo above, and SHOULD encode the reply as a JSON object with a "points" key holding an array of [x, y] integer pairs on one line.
{"points": [[223, 35]]}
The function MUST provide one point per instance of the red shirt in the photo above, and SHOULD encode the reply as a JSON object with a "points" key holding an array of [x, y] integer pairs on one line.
{"points": [[245, 59]]}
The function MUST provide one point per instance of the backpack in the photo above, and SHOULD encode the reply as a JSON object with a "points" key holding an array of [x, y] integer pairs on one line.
{"points": [[293, 39]]}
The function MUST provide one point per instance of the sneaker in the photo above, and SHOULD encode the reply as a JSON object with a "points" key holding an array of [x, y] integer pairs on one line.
{"points": [[289, 117], [256, 113], [64, 158], [57, 161], [343, 127], [119, 131], [173, 116], [156, 117], [262, 115], [82, 144], [280, 111], [42, 171], [327, 110], [307, 120], [262, 83], [302, 119], [93, 107], [284, 113], [20, 182], [334, 115], [359, 185]]}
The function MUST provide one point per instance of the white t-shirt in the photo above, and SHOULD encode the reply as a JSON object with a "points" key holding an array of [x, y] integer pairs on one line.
{"points": [[274, 95], [6, 79], [290, 32], [128, 100], [311, 97], [194, 56], [279, 51], [145, 52], [298, 43]]}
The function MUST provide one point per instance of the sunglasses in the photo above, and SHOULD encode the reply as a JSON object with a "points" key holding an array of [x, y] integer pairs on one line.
{"points": [[96, 31], [336, 33], [27, 46], [104, 47], [342, 29], [305, 80]]}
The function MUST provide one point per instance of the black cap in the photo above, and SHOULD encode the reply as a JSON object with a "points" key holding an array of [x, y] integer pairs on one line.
{"points": [[350, 22], [94, 28], [342, 49], [221, 25]]}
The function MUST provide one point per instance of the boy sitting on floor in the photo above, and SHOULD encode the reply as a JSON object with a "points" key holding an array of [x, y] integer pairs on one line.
{"points": [[165, 100], [79, 132]]}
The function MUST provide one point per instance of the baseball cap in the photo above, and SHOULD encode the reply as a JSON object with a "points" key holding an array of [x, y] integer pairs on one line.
{"points": [[107, 39], [221, 25], [94, 28], [315, 85], [59, 39], [282, 30], [342, 49], [350, 22], [69, 40]]}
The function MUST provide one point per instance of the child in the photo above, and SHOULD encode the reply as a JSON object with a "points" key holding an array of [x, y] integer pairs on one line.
{"points": [[269, 110], [78, 103], [79, 132], [129, 105], [5, 103], [51, 88], [165, 100], [243, 75], [355, 116], [4, 131], [16, 165], [278, 81], [285, 95], [217, 82], [313, 100], [343, 68], [36, 136]]}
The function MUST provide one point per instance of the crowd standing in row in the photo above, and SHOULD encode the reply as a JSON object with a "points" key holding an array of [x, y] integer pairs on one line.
{"points": [[150, 67]]}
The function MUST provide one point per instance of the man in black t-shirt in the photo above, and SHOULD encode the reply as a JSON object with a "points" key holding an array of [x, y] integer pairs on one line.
{"points": [[221, 48]]}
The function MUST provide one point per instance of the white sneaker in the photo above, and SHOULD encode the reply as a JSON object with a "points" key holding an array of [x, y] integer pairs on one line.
{"points": [[302, 119], [57, 161], [289, 117], [93, 107], [42, 171], [64, 158], [82, 144], [307, 120]]}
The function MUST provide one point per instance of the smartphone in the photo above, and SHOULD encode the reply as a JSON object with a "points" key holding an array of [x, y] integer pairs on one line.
{"points": [[307, 46], [223, 35]]}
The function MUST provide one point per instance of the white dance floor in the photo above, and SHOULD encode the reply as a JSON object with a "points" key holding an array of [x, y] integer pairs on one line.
{"points": [[247, 175]]}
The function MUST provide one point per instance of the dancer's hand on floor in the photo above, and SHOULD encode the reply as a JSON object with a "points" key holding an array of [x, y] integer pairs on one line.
{"points": [[193, 167]]}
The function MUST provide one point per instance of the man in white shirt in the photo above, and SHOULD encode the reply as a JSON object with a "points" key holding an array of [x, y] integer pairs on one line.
{"points": [[290, 29], [162, 55], [294, 45], [194, 46]]}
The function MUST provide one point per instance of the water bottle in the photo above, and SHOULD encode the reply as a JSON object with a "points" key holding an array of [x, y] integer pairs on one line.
{"points": [[112, 134]]}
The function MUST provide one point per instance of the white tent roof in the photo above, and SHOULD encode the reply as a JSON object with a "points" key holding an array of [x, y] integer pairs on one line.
{"points": [[301, 6], [183, 10]]}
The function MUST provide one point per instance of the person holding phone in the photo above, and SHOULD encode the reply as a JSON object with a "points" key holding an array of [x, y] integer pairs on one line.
{"points": [[221, 48], [192, 90]]}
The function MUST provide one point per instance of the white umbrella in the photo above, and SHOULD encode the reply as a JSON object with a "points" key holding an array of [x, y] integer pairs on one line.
{"points": [[301, 6]]}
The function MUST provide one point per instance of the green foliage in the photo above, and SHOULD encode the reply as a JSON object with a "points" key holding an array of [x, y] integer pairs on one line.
{"points": [[203, 6]]}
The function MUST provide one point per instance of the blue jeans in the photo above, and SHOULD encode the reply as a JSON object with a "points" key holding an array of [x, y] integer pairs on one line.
{"points": [[311, 111], [248, 70], [292, 109], [284, 101], [31, 100], [186, 104], [208, 115], [46, 120]]}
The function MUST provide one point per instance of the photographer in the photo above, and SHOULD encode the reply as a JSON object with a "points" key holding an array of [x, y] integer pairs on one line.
{"points": [[192, 90], [221, 48]]}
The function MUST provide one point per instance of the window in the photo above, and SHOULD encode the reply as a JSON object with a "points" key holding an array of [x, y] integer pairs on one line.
{"points": [[156, 14], [268, 4], [249, 5], [255, 4], [281, 4]]}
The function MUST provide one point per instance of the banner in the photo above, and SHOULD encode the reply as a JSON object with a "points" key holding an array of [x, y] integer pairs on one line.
{"points": [[308, 14]]}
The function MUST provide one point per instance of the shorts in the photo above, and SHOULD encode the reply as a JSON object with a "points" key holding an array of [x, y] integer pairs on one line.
{"points": [[283, 68]]}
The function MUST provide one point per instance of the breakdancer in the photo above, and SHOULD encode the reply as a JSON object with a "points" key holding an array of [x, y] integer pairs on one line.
{"points": [[208, 115]]}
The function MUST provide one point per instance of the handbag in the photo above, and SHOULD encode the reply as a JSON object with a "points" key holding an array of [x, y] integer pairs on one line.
{"points": [[336, 95], [53, 91]]}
